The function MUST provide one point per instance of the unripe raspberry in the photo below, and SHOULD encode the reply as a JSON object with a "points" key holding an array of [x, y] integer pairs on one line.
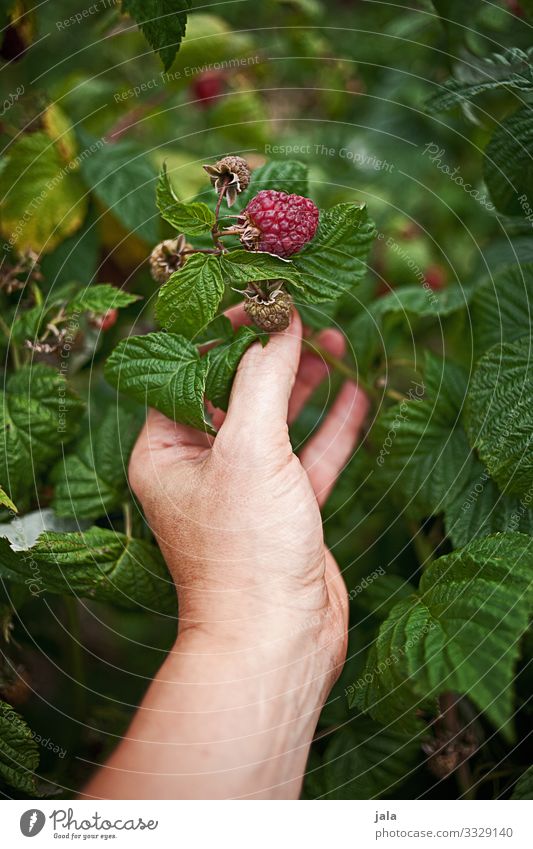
{"points": [[271, 312], [167, 257], [106, 321], [231, 173], [278, 223]]}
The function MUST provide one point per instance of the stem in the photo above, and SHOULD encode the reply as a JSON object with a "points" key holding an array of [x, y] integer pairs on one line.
{"points": [[76, 657], [202, 251], [128, 518], [215, 234], [15, 356], [339, 365], [451, 721]]}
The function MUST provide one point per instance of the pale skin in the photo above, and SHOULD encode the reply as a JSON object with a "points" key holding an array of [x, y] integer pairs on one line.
{"points": [[263, 607]]}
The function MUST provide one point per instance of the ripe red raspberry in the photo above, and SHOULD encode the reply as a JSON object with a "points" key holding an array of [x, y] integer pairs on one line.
{"points": [[106, 321], [279, 223], [207, 88]]}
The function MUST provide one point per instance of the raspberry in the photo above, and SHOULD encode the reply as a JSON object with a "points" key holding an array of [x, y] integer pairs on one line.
{"points": [[271, 312], [167, 257], [230, 173], [279, 223], [106, 321], [207, 88]]}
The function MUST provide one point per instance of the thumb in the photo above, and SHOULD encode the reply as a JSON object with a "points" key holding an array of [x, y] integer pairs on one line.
{"points": [[262, 387]]}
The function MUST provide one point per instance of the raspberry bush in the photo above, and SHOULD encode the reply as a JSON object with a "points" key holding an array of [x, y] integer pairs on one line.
{"points": [[136, 206]]}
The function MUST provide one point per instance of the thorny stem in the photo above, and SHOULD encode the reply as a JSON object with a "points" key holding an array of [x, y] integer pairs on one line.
{"points": [[452, 722]]}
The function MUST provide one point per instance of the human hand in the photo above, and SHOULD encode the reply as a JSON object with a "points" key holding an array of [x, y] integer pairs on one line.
{"points": [[237, 516]]}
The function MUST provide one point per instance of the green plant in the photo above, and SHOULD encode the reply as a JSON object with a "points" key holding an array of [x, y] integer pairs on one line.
{"points": [[432, 520]]}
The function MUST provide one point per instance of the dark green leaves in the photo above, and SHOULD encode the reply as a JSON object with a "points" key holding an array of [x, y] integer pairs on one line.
{"points": [[241, 266], [190, 218], [335, 260], [512, 69], [283, 176], [499, 416], [38, 414], [501, 307], [460, 632], [92, 481], [164, 371], [122, 178], [223, 361], [524, 786], [19, 753], [163, 23], [365, 761], [99, 564], [508, 164], [190, 298], [100, 298]]}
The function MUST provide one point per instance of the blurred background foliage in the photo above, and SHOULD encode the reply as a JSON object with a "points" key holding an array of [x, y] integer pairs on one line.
{"points": [[340, 86]]}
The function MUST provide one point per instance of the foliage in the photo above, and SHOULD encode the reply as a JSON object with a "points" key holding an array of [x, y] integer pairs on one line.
{"points": [[422, 258]]}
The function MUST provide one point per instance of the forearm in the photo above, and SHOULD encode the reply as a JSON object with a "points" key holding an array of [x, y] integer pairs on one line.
{"points": [[225, 723]]}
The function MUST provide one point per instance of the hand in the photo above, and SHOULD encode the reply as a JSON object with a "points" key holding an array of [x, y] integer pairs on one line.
{"points": [[263, 607], [237, 516]]}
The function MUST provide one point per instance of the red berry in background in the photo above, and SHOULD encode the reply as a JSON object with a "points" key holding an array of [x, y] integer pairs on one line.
{"points": [[435, 276], [106, 321], [515, 8], [207, 87], [279, 223]]}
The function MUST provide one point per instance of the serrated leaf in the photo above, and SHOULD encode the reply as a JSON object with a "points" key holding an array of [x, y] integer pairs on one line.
{"points": [[422, 302], [43, 201], [508, 166], [524, 787], [190, 218], [288, 176], [162, 370], [480, 508], [99, 564], [460, 632], [335, 260], [242, 266], [99, 299], [366, 761], [163, 23], [499, 416], [512, 69], [189, 299], [92, 481], [501, 307], [120, 175], [422, 452], [39, 414], [19, 753], [223, 361]]}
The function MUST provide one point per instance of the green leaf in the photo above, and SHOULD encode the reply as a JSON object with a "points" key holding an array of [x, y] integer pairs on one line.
{"points": [[164, 371], [283, 176], [190, 298], [499, 415], [512, 69], [39, 414], [501, 307], [43, 200], [163, 23], [19, 753], [460, 632], [508, 166], [366, 761], [479, 508], [99, 564], [524, 786], [335, 260], [5, 501], [122, 178], [190, 218], [422, 301], [422, 452], [92, 481], [223, 361], [99, 299], [242, 266]]}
